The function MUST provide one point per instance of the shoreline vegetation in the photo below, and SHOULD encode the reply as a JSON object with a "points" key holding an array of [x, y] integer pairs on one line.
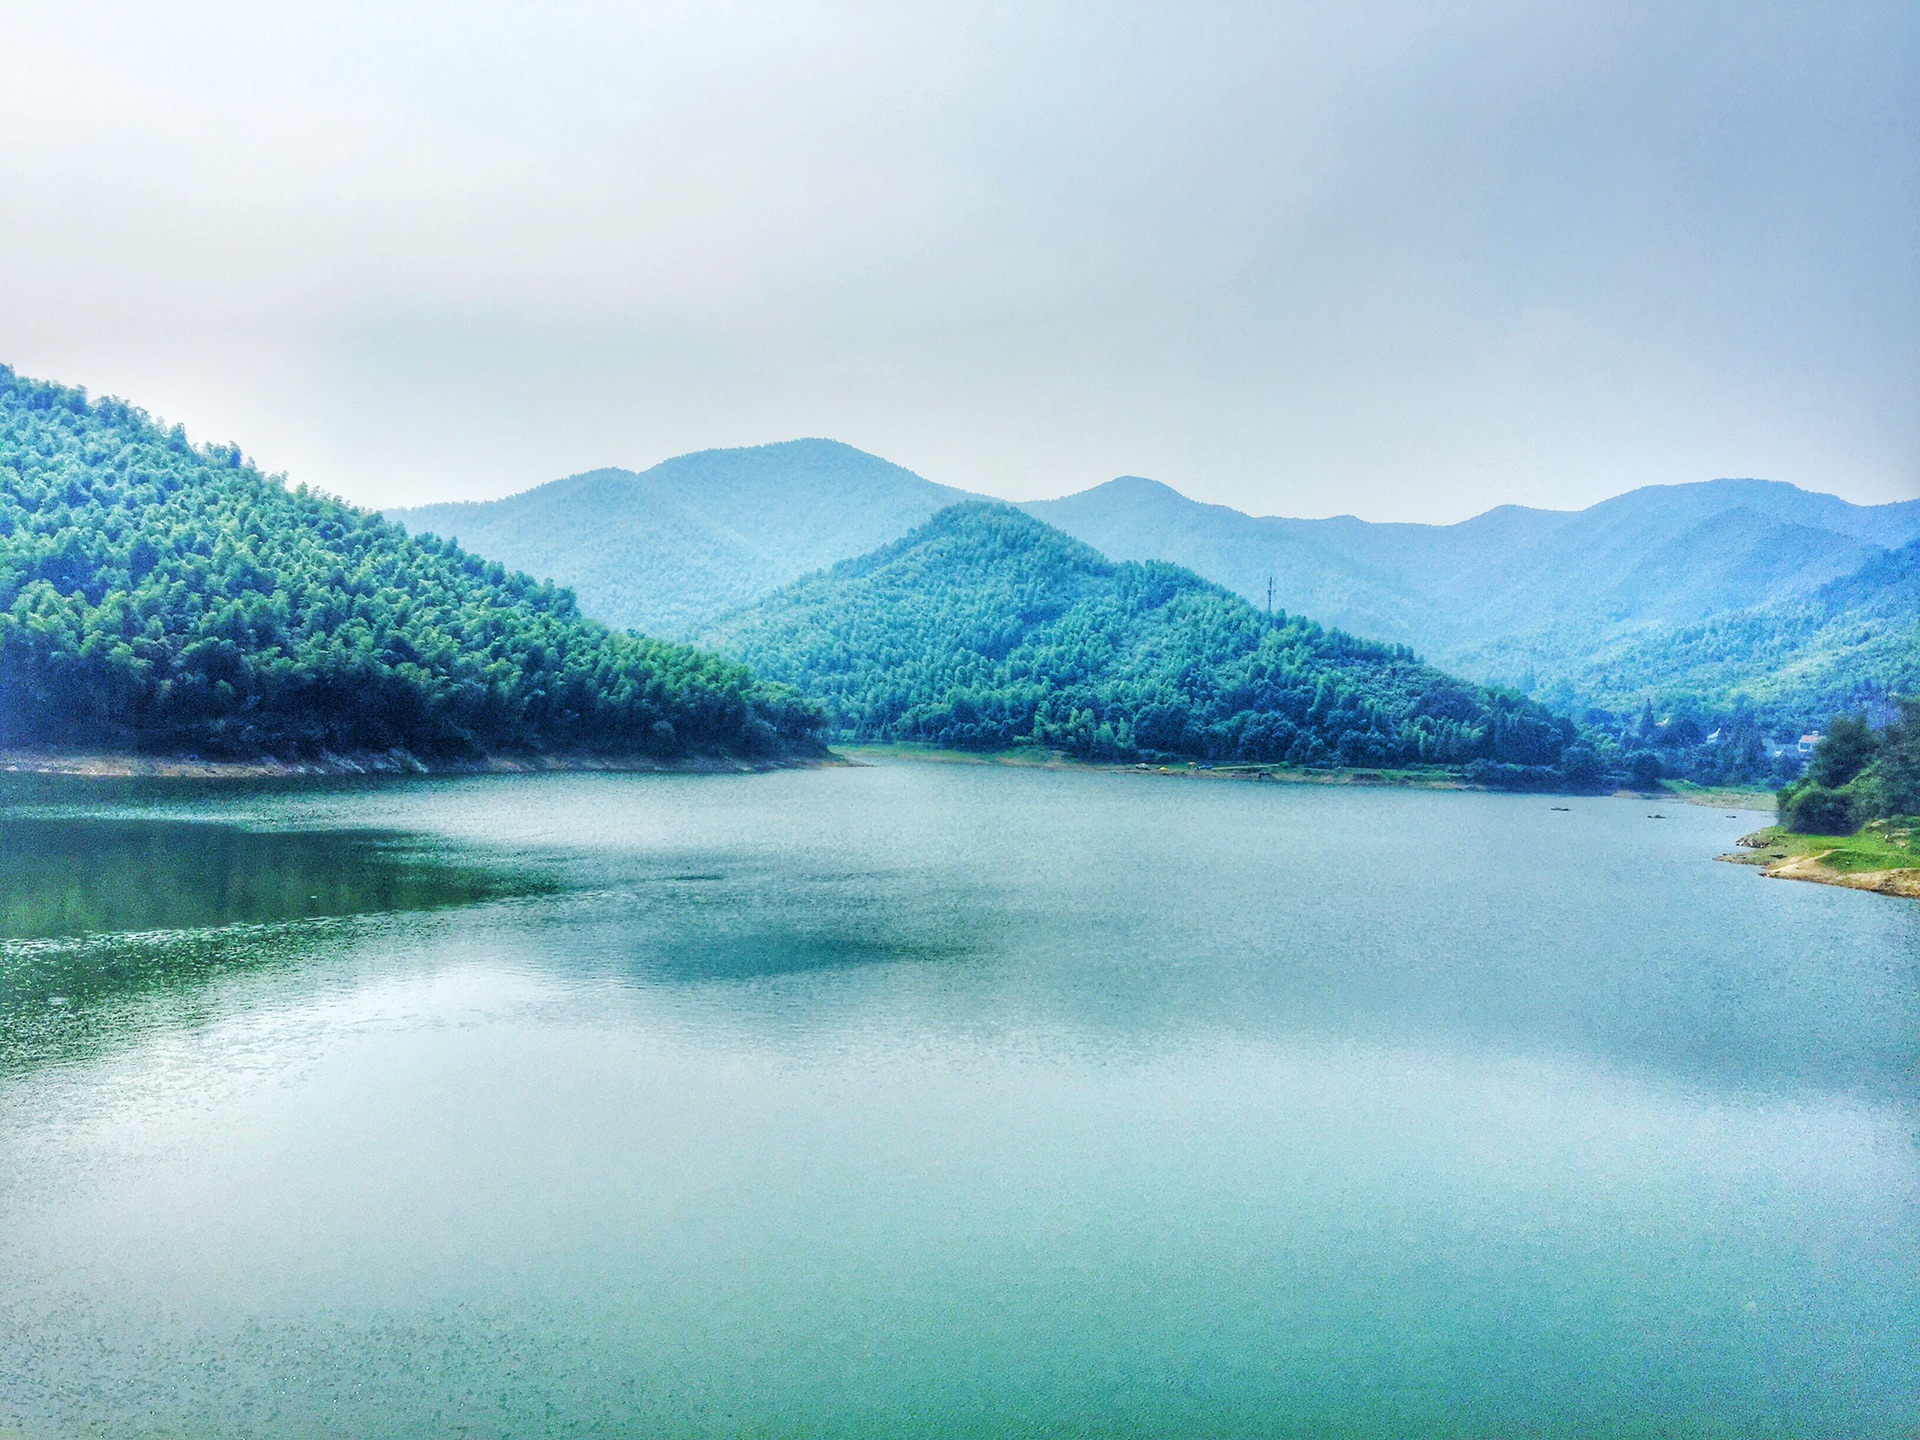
{"points": [[1418, 778], [1883, 857], [1850, 819], [120, 765], [398, 763]]}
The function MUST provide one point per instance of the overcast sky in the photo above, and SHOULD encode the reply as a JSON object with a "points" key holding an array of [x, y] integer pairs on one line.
{"points": [[1404, 261]]}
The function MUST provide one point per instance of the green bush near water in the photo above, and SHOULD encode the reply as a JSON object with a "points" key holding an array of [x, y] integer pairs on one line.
{"points": [[1857, 776]]}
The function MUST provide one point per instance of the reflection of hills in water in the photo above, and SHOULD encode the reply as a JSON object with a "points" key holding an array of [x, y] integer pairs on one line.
{"points": [[81, 876], [100, 915]]}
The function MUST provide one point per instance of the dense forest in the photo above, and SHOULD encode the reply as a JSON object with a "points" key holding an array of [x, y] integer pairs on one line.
{"points": [[985, 628], [1693, 632], [1858, 774], [1684, 738], [167, 596]]}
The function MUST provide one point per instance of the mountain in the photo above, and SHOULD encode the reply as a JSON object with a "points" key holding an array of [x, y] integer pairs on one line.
{"points": [[667, 549], [985, 627], [1513, 595], [162, 595], [1581, 609]]}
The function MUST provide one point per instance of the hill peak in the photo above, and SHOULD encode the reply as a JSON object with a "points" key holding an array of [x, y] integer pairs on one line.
{"points": [[666, 548], [983, 527], [807, 449]]}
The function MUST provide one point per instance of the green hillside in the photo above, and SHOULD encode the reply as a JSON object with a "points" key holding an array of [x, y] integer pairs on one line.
{"points": [[985, 627], [1860, 776], [1847, 646], [160, 595], [669, 549]]}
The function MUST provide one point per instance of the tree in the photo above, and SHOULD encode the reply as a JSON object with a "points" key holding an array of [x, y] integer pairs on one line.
{"points": [[1816, 810], [1644, 770], [1857, 775], [1844, 751], [1895, 771]]}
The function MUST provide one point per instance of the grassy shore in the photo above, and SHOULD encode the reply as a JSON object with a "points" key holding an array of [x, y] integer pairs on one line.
{"points": [[1883, 857], [1722, 797]]}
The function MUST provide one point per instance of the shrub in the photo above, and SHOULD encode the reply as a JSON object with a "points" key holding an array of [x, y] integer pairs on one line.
{"points": [[1844, 751], [1813, 809], [1644, 769]]}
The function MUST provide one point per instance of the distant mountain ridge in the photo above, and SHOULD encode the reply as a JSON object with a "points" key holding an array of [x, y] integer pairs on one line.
{"points": [[1516, 595], [664, 550], [1573, 606], [1649, 596], [1846, 647]]}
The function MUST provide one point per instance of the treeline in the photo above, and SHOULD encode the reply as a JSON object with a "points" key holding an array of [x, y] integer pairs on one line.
{"points": [[1857, 774], [986, 628], [169, 596], [1686, 739]]}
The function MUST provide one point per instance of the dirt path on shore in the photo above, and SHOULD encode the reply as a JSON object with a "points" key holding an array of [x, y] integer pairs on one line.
{"points": [[1902, 882], [1811, 867]]}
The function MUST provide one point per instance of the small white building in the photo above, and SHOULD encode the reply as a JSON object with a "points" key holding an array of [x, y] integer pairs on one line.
{"points": [[1807, 742]]}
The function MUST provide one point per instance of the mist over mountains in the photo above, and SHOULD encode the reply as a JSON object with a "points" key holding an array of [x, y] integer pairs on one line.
{"points": [[666, 550], [1721, 592], [157, 593]]}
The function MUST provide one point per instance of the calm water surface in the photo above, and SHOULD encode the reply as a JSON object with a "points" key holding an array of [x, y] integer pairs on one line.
{"points": [[924, 1100]]}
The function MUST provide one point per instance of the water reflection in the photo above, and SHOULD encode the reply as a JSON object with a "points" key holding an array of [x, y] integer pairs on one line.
{"points": [[102, 916], [71, 875]]}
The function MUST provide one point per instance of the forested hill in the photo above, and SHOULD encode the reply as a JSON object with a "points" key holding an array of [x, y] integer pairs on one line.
{"points": [[1651, 595], [1588, 611], [1846, 647], [986, 627], [159, 595]]}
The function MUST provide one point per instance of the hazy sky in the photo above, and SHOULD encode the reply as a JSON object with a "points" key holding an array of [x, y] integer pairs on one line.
{"points": [[1404, 261]]}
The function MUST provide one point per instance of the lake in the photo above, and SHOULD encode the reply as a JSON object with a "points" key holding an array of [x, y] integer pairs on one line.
{"points": [[942, 1100]]}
